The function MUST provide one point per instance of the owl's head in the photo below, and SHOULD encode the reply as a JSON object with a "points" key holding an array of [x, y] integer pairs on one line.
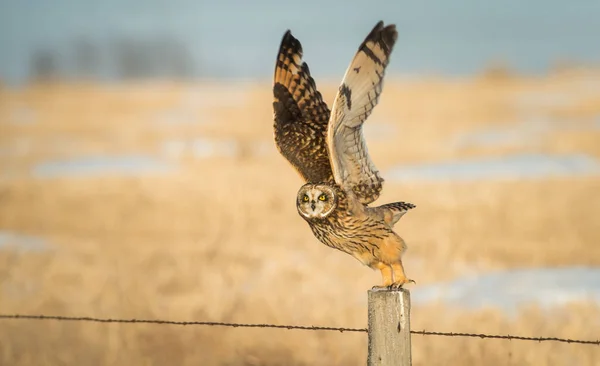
{"points": [[316, 201]]}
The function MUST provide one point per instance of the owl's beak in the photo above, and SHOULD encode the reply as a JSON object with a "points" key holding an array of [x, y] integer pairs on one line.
{"points": [[312, 205]]}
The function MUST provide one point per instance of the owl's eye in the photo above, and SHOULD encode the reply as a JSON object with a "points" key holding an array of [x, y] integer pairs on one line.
{"points": [[322, 198], [305, 198]]}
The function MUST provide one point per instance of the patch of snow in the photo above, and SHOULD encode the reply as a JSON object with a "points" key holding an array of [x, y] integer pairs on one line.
{"points": [[505, 167], [509, 290]]}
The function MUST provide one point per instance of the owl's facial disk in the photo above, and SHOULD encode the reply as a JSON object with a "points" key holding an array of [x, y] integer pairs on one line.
{"points": [[315, 201]]}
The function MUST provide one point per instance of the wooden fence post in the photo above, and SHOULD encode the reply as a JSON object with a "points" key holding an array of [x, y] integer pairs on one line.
{"points": [[389, 328]]}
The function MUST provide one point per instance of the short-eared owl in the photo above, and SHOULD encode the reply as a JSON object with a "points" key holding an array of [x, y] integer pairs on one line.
{"points": [[330, 153]]}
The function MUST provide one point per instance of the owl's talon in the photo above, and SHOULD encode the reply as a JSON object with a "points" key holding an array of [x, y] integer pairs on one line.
{"points": [[399, 285], [384, 287], [393, 286]]}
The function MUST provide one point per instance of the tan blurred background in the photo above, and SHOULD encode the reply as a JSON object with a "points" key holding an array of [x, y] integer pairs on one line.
{"points": [[139, 179]]}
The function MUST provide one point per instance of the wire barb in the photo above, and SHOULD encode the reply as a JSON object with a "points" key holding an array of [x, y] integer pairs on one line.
{"points": [[291, 327]]}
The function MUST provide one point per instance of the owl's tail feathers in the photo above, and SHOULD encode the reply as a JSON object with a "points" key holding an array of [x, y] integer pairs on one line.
{"points": [[392, 212]]}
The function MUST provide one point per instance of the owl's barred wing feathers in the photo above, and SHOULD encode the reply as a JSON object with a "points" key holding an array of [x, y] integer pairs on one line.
{"points": [[357, 96], [300, 114]]}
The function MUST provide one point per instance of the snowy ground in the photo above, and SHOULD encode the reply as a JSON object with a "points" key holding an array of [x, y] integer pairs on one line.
{"points": [[508, 290]]}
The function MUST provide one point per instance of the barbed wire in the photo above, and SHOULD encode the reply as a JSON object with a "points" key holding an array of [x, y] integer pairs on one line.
{"points": [[175, 322], [292, 327], [507, 337]]}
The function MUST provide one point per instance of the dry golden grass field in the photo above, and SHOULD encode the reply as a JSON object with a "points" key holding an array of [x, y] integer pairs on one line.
{"points": [[215, 236]]}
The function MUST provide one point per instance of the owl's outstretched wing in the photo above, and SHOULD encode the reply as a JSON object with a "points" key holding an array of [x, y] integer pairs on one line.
{"points": [[300, 114], [357, 96]]}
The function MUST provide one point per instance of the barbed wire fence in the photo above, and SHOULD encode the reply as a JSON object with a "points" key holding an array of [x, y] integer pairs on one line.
{"points": [[289, 327], [390, 337]]}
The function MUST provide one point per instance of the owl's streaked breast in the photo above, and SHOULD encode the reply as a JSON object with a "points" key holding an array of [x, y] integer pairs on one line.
{"points": [[355, 233]]}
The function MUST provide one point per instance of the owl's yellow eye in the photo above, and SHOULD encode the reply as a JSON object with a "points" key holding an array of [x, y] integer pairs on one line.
{"points": [[305, 198], [322, 197]]}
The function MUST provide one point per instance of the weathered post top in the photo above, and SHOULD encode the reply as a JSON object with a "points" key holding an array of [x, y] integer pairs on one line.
{"points": [[389, 328]]}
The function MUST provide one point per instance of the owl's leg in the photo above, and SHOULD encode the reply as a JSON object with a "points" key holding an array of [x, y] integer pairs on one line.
{"points": [[386, 274], [400, 278]]}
